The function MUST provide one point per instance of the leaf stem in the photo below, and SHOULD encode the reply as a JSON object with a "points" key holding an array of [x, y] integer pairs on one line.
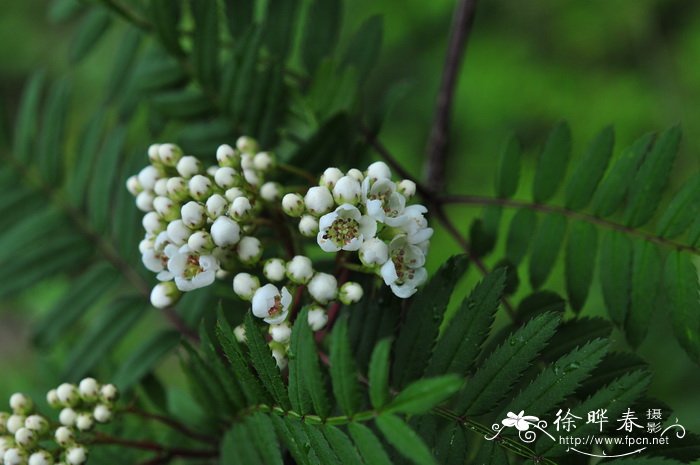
{"points": [[170, 422], [104, 439]]}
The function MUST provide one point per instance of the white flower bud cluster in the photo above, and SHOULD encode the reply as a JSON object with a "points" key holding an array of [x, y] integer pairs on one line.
{"points": [[366, 213], [25, 435], [197, 219]]}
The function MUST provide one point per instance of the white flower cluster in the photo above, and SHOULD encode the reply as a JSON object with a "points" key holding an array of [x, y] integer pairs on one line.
{"points": [[368, 213], [199, 221], [24, 434]]}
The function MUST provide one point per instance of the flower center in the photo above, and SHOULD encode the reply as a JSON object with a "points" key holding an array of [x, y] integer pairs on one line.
{"points": [[403, 266], [192, 268], [343, 231], [276, 307]]}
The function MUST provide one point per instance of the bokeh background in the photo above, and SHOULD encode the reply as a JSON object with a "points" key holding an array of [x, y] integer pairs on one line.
{"points": [[633, 64]]}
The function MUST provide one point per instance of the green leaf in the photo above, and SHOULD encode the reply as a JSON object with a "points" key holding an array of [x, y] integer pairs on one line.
{"points": [[206, 385], [307, 390], [91, 29], [646, 274], [424, 394], [123, 63], [522, 228], [227, 378], [581, 251], [545, 248], [551, 166], [540, 302], [320, 445], [457, 349], [590, 170], [404, 439], [414, 345], [343, 369], [82, 171], [264, 363], [644, 461], [294, 437], [50, 151], [683, 209], [238, 446], [105, 332], [652, 177], [616, 274], [280, 23], [490, 453], [504, 366], [364, 47], [239, 15], [321, 31], [262, 431], [368, 444], [681, 283], [508, 174], [101, 189], [165, 16], [451, 447], [184, 104], [576, 333], [341, 445], [26, 126], [143, 358], [379, 374], [240, 75], [483, 233], [205, 44]]}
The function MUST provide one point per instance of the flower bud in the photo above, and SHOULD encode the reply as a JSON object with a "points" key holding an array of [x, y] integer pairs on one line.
{"points": [[76, 455], [226, 177], [21, 404], [109, 393], [247, 144], [240, 209], [239, 333], [40, 458], [226, 156], [161, 187], [188, 166], [200, 242], [247, 162], [147, 177], [153, 223], [67, 417], [164, 295], [102, 413], [233, 193], [153, 153], [280, 356], [37, 423], [264, 161], [169, 154], [308, 226], [374, 252], [293, 205], [323, 287], [356, 174], [274, 269], [177, 232], [329, 177], [68, 394], [52, 399], [166, 208], [14, 423], [225, 232], [3, 424], [252, 177], [64, 436], [89, 389], [407, 188], [350, 293], [216, 205], [15, 456], [144, 201], [271, 191], [193, 215], [347, 190], [26, 438], [245, 285], [249, 250], [299, 269], [84, 421], [281, 332], [133, 185], [317, 318], [200, 187], [378, 170], [178, 188], [318, 200]]}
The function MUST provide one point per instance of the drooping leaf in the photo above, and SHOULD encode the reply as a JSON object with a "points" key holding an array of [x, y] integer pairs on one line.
{"points": [[123, 63], [144, 358], [368, 444], [364, 47], [91, 29], [101, 189], [483, 233], [508, 174], [343, 369], [280, 22], [321, 32], [522, 228], [580, 257], [165, 16], [424, 394], [26, 121], [540, 302], [616, 274], [404, 439], [320, 446], [238, 446], [342, 445], [681, 284], [292, 434], [206, 385], [50, 151], [551, 166], [379, 374], [590, 170], [646, 274], [262, 431], [545, 248], [205, 44], [184, 104], [683, 209], [576, 333], [451, 447]]}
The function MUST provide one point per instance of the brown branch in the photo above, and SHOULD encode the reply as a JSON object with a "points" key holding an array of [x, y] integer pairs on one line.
{"points": [[104, 439], [436, 150], [170, 422]]}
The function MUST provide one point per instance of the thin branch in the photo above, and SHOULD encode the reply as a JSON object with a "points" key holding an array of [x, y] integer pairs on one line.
{"points": [[104, 439], [170, 422], [436, 150], [554, 209]]}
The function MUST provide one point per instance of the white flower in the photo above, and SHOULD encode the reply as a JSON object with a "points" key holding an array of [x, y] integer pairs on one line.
{"points": [[247, 144], [226, 177], [323, 287], [40, 458], [20, 403], [383, 202], [347, 190], [225, 232], [156, 260], [144, 201], [169, 154], [14, 423], [404, 271], [356, 174], [281, 332], [133, 185], [164, 295], [76, 455], [193, 214], [191, 270], [109, 393], [63, 436], [161, 187], [240, 209], [252, 177], [211, 170], [520, 421], [225, 155], [147, 177], [200, 187], [271, 304], [239, 333], [308, 226], [233, 193], [247, 162], [68, 394], [274, 269], [200, 242], [52, 399], [264, 161], [378, 170], [345, 229], [188, 166], [249, 250], [293, 205], [300, 269], [84, 421], [216, 206], [374, 252], [102, 413], [318, 200], [153, 223], [245, 285], [350, 293], [26, 438], [89, 389], [67, 417], [317, 318], [270, 191], [330, 176], [280, 356], [415, 224], [178, 232], [177, 188], [152, 152], [407, 188], [15, 456], [37, 423]]}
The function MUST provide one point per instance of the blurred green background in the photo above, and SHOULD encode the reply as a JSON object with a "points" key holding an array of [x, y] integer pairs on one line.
{"points": [[633, 64]]}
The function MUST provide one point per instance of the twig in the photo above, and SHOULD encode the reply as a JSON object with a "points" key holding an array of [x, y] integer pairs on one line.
{"points": [[436, 150], [170, 422], [104, 439]]}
